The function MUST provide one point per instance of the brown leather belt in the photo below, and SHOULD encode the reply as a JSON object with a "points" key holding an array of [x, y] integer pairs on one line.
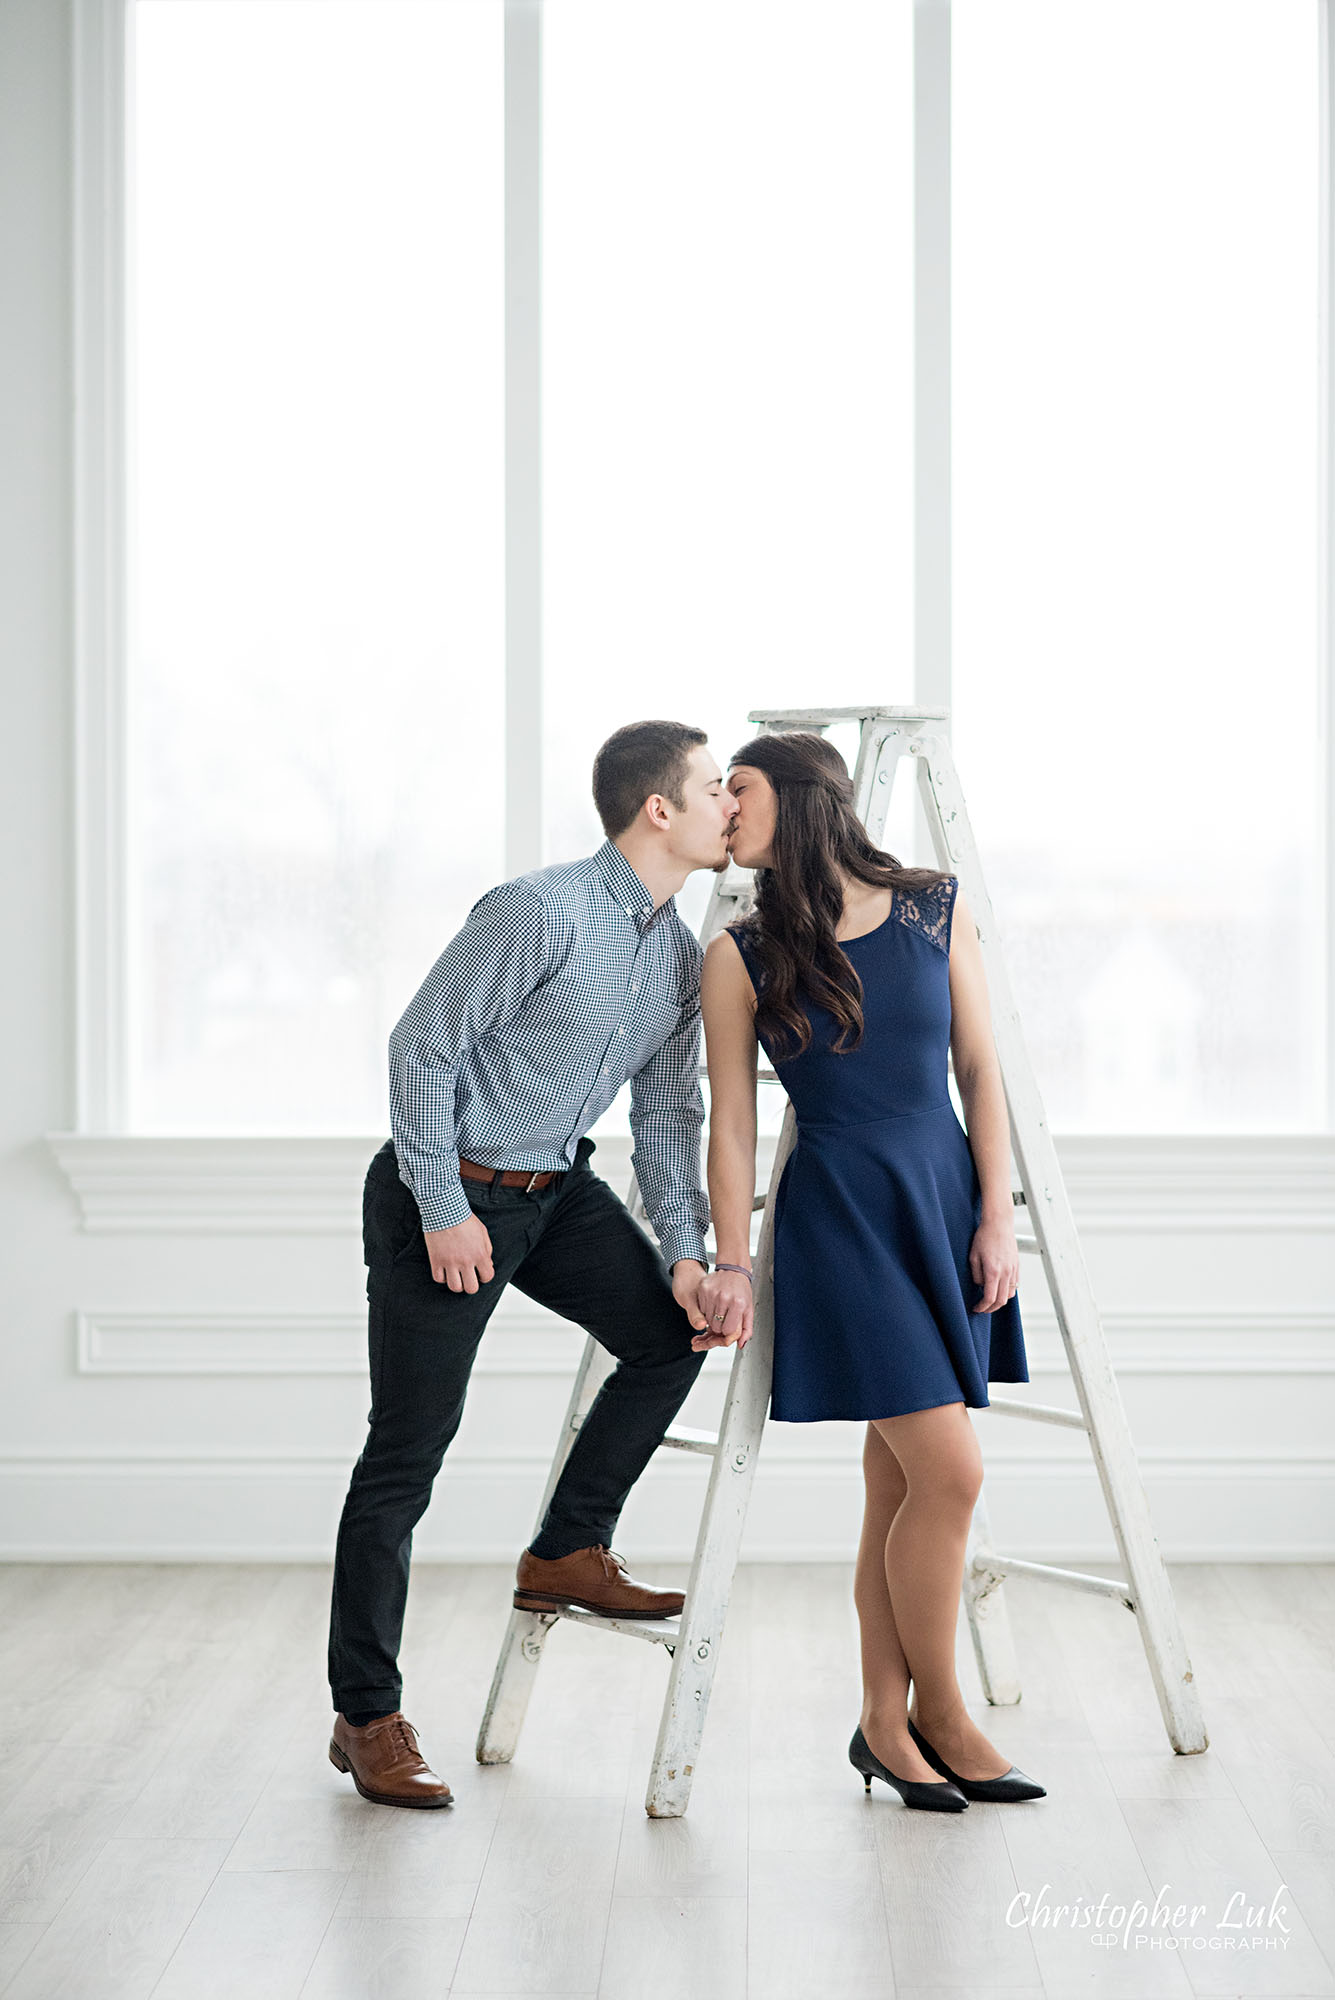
{"points": [[509, 1176]]}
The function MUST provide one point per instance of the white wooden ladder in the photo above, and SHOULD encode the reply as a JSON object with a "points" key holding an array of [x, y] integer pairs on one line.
{"points": [[693, 1640]]}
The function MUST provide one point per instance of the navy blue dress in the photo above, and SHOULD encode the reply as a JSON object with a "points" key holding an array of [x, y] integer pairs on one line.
{"points": [[879, 1199]]}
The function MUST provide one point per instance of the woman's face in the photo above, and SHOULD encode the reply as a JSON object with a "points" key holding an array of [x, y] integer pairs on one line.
{"points": [[757, 810]]}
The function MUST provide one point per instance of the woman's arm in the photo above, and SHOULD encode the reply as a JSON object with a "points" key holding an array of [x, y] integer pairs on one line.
{"points": [[728, 1004], [994, 1258]]}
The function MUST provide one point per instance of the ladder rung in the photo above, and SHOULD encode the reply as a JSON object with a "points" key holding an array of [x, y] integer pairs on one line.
{"points": [[762, 1075], [658, 1631], [682, 1438], [1029, 1243], [1042, 1413], [985, 1563]]}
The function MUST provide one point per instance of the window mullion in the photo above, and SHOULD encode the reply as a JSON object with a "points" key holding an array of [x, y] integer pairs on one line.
{"points": [[523, 435]]}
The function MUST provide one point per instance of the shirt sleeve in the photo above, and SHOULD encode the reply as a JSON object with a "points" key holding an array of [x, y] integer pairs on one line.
{"points": [[667, 1112], [479, 983]]}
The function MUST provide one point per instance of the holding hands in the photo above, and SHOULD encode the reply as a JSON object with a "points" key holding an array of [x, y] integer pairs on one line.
{"points": [[725, 1309]]}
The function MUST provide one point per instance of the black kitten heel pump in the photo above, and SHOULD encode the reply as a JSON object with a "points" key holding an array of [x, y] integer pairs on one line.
{"points": [[914, 1792], [1010, 1787]]}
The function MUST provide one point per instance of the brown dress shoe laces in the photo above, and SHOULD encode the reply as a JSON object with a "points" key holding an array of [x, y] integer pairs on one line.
{"points": [[406, 1735]]}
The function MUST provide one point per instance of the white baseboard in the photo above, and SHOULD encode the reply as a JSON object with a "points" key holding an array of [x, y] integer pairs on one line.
{"points": [[169, 1507]]}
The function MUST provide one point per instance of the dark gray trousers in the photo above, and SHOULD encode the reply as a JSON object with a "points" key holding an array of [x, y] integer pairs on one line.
{"points": [[575, 1248]]}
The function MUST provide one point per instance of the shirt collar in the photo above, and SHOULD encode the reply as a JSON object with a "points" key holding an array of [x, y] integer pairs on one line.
{"points": [[625, 886]]}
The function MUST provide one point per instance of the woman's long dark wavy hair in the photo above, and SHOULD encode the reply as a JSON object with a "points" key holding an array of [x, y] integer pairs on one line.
{"points": [[818, 838]]}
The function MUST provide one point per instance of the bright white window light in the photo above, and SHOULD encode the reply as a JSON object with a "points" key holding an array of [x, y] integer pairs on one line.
{"points": [[1135, 485], [727, 327], [317, 636]]}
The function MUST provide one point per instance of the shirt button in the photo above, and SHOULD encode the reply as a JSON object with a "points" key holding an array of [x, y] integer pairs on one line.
{"points": [[635, 986], [621, 1031], [606, 1067]]}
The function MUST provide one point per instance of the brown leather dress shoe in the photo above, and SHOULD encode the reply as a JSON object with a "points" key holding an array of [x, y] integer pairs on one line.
{"points": [[596, 1580], [386, 1765]]}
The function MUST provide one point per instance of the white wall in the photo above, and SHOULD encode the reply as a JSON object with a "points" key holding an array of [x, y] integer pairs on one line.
{"points": [[198, 1390]]}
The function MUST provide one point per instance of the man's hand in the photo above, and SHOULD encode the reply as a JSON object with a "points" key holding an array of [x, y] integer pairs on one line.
{"points": [[687, 1274], [461, 1256], [728, 1310]]}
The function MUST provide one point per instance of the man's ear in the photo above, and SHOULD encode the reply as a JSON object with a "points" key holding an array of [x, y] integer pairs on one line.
{"points": [[656, 807]]}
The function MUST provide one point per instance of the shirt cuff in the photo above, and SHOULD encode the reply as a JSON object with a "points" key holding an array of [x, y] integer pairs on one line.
{"points": [[686, 1242], [445, 1208]]}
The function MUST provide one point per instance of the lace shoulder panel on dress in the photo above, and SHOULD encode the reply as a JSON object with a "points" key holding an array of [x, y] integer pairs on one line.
{"points": [[745, 945], [928, 911]]}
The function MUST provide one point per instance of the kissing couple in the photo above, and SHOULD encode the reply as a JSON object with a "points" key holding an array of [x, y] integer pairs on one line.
{"points": [[895, 1260]]}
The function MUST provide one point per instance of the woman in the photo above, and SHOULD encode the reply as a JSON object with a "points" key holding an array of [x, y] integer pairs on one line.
{"points": [[895, 1261]]}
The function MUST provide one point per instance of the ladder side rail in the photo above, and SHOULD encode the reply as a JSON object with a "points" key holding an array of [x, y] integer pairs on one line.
{"points": [[989, 1620], [1048, 1207], [526, 1632], [718, 1542], [879, 751], [723, 1516]]}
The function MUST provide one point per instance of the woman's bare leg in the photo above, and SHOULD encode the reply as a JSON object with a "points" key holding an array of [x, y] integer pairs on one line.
{"points": [[938, 1458], [885, 1671]]}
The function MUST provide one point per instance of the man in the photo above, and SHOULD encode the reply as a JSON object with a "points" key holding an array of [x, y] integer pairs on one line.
{"points": [[562, 984]]}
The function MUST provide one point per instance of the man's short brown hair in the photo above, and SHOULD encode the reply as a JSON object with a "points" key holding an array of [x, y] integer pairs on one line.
{"points": [[635, 762]]}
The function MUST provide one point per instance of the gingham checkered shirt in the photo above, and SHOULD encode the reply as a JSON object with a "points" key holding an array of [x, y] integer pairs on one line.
{"points": [[562, 984]]}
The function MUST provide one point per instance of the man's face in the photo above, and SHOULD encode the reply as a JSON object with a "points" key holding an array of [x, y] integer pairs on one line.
{"points": [[701, 827]]}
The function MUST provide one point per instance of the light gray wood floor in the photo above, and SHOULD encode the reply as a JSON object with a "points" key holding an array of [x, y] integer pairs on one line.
{"points": [[170, 1824]]}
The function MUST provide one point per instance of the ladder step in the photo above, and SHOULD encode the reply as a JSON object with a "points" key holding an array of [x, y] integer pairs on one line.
{"points": [[658, 1631], [985, 1563], [1029, 1243], [682, 1438], [1042, 1413]]}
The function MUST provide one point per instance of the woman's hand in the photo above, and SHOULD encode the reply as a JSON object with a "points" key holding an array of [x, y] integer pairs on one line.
{"points": [[725, 1301], [994, 1260]]}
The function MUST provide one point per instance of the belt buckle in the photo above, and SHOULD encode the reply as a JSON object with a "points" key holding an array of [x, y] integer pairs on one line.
{"points": [[528, 1185]]}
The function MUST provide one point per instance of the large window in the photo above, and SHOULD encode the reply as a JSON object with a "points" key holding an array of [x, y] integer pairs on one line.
{"points": [[728, 369], [1136, 540], [317, 448]]}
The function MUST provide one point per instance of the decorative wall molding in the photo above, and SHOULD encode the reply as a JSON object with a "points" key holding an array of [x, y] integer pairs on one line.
{"points": [[1266, 1182], [1223, 1183], [216, 1187], [1150, 1340], [530, 1344]]}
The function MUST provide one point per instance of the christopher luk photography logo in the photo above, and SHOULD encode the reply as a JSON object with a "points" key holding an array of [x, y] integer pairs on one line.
{"points": [[1240, 1922]]}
